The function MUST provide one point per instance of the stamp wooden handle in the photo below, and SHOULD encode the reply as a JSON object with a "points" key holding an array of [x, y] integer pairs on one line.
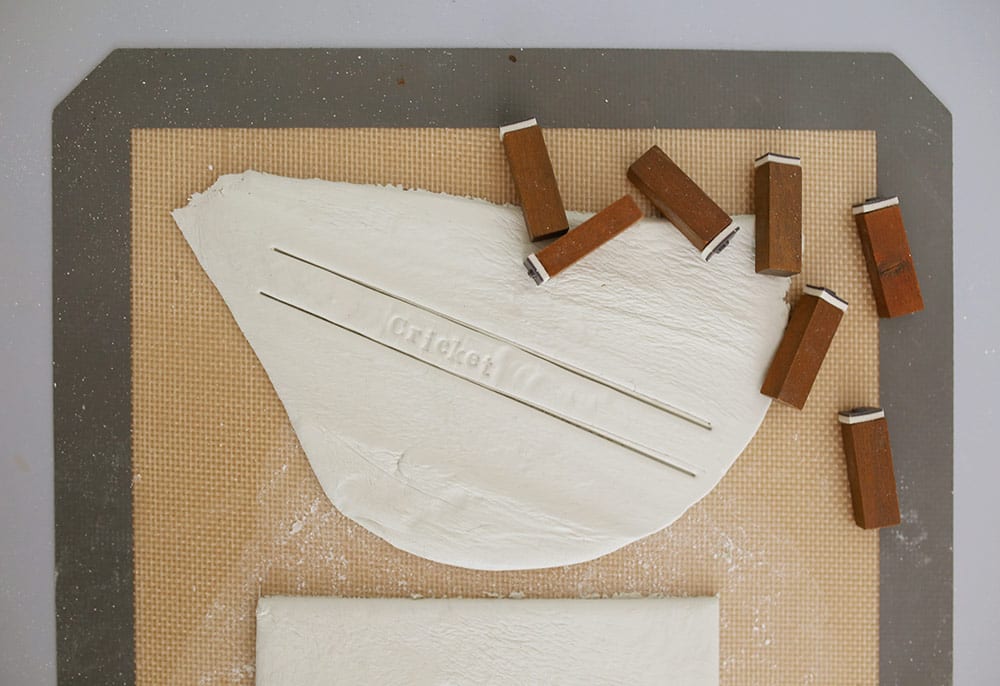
{"points": [[778, 206], [583, 240], [800, 354], [887, 255], [869, 467], [534, 179], [683, 202]]}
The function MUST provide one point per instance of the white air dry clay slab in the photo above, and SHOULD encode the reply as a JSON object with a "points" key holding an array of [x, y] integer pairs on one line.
{"points": [[323, 641], [459, 411]]}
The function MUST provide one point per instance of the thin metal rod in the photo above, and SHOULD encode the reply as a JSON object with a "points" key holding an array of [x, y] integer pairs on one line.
{"points": [[635, 395], [600, 433]]}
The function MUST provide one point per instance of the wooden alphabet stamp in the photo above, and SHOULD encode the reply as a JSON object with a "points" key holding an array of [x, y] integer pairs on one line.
{"points": [[887, 254], [869, 467], [683, 202], [800, 354], [534, 179], [587, 237], [778, 203]]}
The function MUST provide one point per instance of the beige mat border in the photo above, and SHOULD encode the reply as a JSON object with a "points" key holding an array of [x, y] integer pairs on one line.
{"points": [[225, 506]]}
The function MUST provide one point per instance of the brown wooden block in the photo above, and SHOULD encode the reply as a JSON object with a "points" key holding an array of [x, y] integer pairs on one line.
{"points": [[887, 254], [869, 467], [683, 202], [811, 326], [585, 238], [534, 179], [778, 202]]}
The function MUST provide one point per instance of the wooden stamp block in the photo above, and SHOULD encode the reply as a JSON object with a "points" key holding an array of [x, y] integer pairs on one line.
{"points": [[778, 202], [887, 254], [800, 354], [534, 179], [587, 237], [683, 202], [869, 467]]}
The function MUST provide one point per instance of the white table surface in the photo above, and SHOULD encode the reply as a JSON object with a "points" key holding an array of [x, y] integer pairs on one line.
{"points": [[47, 47]]}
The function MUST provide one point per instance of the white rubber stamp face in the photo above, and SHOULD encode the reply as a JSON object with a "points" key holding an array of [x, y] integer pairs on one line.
{"points": [[461, 413]]}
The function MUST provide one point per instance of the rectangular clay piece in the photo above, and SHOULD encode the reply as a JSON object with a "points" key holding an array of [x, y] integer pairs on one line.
{"points": [[582, 240], [800, 354], [778, 203], [683, 202], [869, 467], [887, 254], [534, 179], [313, 641]]}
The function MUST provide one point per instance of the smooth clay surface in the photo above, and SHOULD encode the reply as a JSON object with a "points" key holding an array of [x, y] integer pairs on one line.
{"points": [[437, 391], [320, 641]]}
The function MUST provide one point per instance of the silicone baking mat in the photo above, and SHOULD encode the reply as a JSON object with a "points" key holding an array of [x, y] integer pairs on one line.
{"points": [[100, 598], [226, 508]]}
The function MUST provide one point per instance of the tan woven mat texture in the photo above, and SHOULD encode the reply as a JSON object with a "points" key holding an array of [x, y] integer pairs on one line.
{"points": [[227, 509]]}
